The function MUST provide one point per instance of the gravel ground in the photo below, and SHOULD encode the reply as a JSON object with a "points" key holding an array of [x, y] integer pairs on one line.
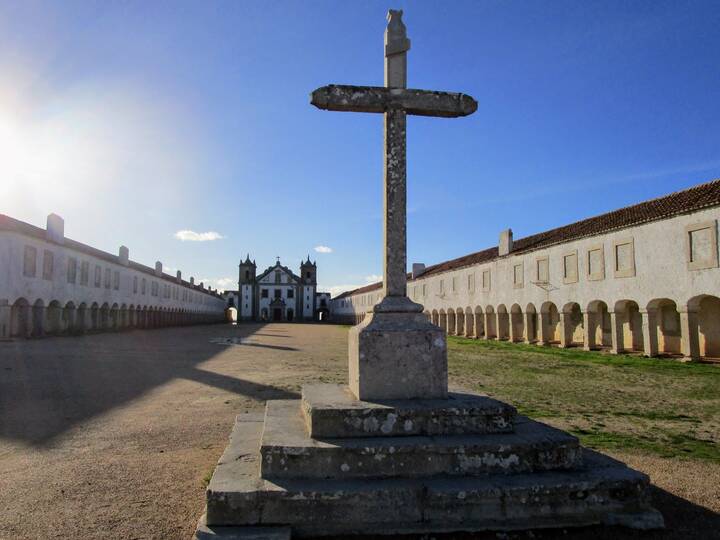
{"points": [[114, 435]]}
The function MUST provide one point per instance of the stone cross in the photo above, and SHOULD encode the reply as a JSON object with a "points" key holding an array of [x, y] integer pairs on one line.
{"points": [[395, 101]]}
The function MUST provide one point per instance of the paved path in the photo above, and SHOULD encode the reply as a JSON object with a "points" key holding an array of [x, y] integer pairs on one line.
{"points": [[111, 435]]}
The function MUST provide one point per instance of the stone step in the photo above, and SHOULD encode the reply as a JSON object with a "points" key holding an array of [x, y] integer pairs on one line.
{"points": [[288, 452], [331, 410], [602, 491]]}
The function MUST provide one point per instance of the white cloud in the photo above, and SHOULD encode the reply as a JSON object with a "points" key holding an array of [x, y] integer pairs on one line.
{"points": [[221, 284], [373, 278], [323, 249], [192, 236], [335, 290]]}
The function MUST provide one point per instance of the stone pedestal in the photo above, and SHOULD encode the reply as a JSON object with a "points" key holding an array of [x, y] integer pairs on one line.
{"points": [[330, 464], [397, 355]]}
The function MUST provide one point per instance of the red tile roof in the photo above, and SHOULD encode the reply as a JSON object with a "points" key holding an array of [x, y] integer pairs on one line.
{"points": [[681, 202]]}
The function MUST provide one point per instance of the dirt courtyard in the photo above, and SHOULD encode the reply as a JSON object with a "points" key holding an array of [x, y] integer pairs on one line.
{"points": [[114, 435]]}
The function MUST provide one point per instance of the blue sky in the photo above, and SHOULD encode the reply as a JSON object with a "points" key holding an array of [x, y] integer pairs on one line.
{"points": [[136, 120]]}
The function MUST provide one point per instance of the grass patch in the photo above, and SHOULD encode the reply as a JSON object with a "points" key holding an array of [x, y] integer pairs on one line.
{"points": [[611, 402], [208, 476]]}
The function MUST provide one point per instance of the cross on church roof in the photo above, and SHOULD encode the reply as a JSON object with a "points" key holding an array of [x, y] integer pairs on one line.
{"points": [[395, 101]]}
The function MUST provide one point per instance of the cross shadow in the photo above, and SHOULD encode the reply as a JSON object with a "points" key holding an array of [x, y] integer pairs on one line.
{"points": [[48, 386]]}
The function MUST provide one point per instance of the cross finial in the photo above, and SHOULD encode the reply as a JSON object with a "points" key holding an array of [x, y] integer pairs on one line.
{"points": [[278, 259], [396, 47]]}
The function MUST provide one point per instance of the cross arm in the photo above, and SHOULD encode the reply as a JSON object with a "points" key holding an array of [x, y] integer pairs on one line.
{"points": [[380, 99]]}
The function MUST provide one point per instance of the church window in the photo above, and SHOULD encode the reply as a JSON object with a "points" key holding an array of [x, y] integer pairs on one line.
{"points": [[263, 293], [453, 284], [291, 293], [424, 290], [47, 264], [278, 277], [108, 273], [84, 272], [144, 285], [570, 267], [30, 262], [98, 275], [486, 280], [442, 286], [247, 274], [278, 294], [596, 263], [471, 282], [518, 276], [71, 270], [625, 255], [116, 281], [308, 275], [135, 285]]}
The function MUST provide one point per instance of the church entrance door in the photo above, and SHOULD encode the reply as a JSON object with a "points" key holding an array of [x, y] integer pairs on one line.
{"points": [[277, 314]]}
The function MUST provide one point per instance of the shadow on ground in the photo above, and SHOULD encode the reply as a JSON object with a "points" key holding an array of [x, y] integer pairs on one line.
{"points": [[47, 386]]}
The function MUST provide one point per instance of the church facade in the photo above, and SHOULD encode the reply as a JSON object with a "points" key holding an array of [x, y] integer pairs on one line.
{"points": [[278, 294]]}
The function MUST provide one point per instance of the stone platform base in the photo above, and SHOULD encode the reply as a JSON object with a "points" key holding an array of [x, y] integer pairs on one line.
{"points": [[596, 490]]}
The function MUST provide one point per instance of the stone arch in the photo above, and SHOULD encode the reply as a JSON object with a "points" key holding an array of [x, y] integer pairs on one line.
{"points": [[479, 322], [442, 319], [123, 316], [531, 327], [82, 318], [435, 317], [572, 327], [38, 318], [549, 324], [599, 326], [68, 316], [94, 316], [705, 324], [132, 316], [663, 332], [114, 317], [469, 322], [503, 323], [516, 324], [450, 321], [490, 323], [20, 325], [53, 318], [628, 327], [459, 322]]}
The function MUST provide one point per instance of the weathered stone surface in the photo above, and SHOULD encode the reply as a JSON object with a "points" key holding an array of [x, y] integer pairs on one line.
{"points": [[380, 99], [331, 410], [397, 356], [205, 532], [602, 491], [288, 452]]}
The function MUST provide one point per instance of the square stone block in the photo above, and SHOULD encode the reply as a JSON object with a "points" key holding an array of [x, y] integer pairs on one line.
{"points": [[397, 356]]}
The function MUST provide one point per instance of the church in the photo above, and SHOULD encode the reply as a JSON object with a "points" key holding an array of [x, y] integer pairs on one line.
{"points": [[278, 294]]}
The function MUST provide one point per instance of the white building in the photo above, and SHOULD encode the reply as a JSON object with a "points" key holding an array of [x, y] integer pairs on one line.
{"points": [[50, 284], [643, 278], [278, 294]]}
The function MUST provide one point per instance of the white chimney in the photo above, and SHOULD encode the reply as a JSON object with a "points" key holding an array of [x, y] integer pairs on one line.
{"points": [[158, 268], [506, 242], [55, 231], [124, 255]]}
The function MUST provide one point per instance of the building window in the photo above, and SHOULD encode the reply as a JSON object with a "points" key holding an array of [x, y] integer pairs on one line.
{"points": [[518, 281], [424, 290], [702, 245], [98, 275], [596, 263], [247, 275], [570, 267], [278, 277], [471, 282], [30, 262], [291, 293], [624, 264], [453, 284], [116, 281], [143, 286], [486, 280], [71, 270], [84, 272], [135, 285], [108, 274], [47, 264], [442, 286], [278, 294], [263, 293], [542, 270]]}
